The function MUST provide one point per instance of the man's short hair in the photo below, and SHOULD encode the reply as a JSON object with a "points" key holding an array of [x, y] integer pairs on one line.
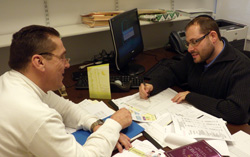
{"points": [[30, 40], [206, 23]]}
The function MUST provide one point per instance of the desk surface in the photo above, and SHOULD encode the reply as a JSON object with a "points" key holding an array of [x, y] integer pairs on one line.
{"points": [[147, 59]]}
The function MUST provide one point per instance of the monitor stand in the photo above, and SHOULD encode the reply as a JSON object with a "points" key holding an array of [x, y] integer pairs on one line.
{"points": [[133, 69]]}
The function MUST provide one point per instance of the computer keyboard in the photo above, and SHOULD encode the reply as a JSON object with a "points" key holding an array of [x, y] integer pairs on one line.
{"points": [[82, 82], [157, 68]]}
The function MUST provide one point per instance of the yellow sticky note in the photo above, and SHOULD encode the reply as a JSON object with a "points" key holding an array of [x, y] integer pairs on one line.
{"points": [[98, 80]]}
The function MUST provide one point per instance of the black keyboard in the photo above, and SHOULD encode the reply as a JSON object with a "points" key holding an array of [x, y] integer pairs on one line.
{"points": [[82, 82], [157, 68]]}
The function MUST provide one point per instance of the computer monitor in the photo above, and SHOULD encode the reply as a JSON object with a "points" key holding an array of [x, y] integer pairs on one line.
{"points": [[127, 40]]}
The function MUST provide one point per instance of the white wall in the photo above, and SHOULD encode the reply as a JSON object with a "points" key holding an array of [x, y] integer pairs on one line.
{"points": [[191, 4], [15, 14], [67, 12], [144, 4]]}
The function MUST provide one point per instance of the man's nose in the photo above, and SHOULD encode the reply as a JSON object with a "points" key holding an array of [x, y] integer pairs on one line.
{"points": [[67, 65], [190, 48]]}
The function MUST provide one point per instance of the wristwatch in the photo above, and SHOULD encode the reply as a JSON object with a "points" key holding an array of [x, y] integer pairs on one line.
{"points": [[98, 122]]}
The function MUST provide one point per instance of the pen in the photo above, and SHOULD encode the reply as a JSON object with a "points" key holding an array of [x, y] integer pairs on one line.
{"points": [[200, 116], [170, 122]]}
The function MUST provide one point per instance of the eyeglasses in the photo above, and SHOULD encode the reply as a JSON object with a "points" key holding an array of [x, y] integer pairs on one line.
{"points": [[62, 58], [196, 42]]}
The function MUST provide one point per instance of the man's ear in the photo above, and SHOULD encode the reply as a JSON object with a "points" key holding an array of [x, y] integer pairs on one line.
{"points": [[38, 62], [213, 36]]}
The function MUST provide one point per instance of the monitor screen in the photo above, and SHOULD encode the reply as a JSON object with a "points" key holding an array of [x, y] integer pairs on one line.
{"points": [[127, 39]]}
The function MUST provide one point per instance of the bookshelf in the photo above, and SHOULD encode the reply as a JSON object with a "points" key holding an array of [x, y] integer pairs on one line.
{"points": [[79, 29]]}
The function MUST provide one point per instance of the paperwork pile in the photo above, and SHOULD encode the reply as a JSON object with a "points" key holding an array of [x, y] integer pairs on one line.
{"points": [[178, 124]]}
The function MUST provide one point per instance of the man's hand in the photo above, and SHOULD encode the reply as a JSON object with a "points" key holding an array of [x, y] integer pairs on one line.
{"points": [[123, 117], [144, 90], [180, 97], [124, 140]]}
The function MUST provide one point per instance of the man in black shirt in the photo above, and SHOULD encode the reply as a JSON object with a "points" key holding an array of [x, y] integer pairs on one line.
{"points": [[217, 74]]}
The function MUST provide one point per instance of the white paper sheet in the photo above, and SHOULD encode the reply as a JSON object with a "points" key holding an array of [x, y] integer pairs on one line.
{"points": [[241, 146], [98, 108], [201, 128]]}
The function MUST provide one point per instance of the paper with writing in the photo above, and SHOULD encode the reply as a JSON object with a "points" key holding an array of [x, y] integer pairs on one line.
{"points": [[98, 80]]}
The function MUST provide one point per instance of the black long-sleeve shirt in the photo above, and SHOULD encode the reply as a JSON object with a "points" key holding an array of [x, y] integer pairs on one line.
{"points": [[223, 89]]}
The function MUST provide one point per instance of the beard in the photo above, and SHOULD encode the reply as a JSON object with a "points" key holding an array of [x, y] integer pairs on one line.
{"points": [[205, 54]]}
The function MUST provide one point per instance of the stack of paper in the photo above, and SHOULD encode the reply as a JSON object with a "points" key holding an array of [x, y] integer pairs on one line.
{"points": [[175, 124]]}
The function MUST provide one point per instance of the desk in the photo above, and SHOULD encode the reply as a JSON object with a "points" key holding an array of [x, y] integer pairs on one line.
{"points": [[147, 59]]}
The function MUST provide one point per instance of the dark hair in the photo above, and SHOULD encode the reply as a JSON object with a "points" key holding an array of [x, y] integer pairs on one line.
{"points": [[30, 40], [206, 23]]}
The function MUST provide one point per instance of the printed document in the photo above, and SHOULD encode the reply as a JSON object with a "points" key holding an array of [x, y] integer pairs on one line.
{"points": [[97, 108], [141, 149], [98, 80], [201, 128], [158, 105], [163, 129], [241, 145]]}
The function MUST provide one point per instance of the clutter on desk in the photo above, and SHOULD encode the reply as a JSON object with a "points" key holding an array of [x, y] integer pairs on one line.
{"points": [[175, 121], [102, 111]]}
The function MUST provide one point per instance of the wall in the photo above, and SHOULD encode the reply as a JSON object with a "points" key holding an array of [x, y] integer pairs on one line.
{"points": [[16, 14]]}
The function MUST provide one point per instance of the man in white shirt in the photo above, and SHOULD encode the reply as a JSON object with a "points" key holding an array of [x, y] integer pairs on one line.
{"points": [[33, 118]]}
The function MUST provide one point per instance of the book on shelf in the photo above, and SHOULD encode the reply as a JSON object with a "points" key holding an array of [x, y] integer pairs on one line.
{"points": [[98, 18], [96, 23], [200, 148], [107, 13], [151, 11], [192, 13]]}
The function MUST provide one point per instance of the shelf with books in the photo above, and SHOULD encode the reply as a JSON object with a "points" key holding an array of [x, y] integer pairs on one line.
{"points": [[79, 29]]}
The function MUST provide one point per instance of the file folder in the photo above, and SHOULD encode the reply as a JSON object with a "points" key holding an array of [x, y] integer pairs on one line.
{"points": [[131, 131]]}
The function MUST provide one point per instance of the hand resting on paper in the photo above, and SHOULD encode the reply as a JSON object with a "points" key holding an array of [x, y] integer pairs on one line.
{"points": [[145, 89], [181, 96], [124, 118]]}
